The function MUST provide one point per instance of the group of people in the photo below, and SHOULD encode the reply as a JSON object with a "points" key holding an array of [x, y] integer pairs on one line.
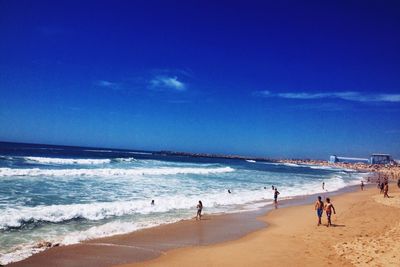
{"points": [[200, 204], [328, 207]]}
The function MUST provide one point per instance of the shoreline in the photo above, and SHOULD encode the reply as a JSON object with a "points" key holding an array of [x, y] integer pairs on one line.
{"points": [[150, 243], [365, 231]]}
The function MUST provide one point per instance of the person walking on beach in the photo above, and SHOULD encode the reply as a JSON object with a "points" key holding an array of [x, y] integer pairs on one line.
{"points": [[328, 209], [398, 183], [319, 207], [381, 186], [199, 209], [276, 193], [386, 190], [362, 185]]}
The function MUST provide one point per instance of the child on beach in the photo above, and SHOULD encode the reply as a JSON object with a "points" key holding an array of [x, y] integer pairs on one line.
{"points": [[328, 209], [319, 207], [199, 209]]}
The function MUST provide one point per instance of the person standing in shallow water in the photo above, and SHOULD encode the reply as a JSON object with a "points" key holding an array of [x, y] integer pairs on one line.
{"points": [[319, 207], [199, 209], [362, 185], [276, 193]]}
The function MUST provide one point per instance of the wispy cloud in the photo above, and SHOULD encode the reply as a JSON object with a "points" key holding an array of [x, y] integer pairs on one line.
{"points": [[349, 96], [167, 82], [108, 84]]}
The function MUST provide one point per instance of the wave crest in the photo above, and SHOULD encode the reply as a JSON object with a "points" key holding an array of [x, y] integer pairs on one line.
{"points": [[70, 161], [104, 172]]}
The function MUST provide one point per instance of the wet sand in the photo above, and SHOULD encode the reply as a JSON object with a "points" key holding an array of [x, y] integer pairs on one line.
{"points": [[149, 243], [366, 232]]}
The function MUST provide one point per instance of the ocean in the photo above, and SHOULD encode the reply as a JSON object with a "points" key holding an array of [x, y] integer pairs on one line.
{"points": [[66, 195]]}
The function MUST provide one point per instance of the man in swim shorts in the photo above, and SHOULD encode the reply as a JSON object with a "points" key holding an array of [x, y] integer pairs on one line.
{"points": [[319, 207], [328, 209]]}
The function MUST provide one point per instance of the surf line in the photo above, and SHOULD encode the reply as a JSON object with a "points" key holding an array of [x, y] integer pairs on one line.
{"points": [[126, 246]]}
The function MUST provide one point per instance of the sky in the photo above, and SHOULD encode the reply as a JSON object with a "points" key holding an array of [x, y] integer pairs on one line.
{"points": [[280, 79]]}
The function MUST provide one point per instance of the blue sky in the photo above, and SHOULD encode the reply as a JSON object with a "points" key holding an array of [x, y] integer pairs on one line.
{"points": [[264, 78]]}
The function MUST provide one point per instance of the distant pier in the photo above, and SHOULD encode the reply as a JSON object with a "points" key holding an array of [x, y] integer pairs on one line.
{"points": [[373, 159]]}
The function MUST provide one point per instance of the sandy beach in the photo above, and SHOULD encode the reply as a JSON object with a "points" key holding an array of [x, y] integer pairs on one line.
{"points": [[365, 233]]}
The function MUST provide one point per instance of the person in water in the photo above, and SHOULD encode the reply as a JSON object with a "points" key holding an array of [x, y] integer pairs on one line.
{"points": [[152, 202], [199, 209], [362, 185], [276, 193], [319, 207], [328, 209], [323, 185], [273, 188], [229, 191]]}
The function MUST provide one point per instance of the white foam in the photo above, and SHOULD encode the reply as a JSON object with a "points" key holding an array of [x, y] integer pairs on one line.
{"points": [[250, 161], [19, 253], [291, 164], [45, 160], [16, 217], [140, 153], [125, 159], [106, 172]]}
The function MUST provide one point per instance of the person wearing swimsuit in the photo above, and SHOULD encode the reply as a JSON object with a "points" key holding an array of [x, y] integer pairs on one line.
{"points": [[199, 209], [276, 193], [328, 209], [319, 207]]}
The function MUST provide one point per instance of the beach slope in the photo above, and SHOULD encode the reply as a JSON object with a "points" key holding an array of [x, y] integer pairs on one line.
{"points": [[366, 233]]}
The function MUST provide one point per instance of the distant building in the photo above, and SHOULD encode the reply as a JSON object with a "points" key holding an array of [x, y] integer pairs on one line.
{"points": [[380, 159], [374, 159], [333, 159]]}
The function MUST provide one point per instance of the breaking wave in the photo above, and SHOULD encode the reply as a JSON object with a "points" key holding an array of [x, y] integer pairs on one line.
{"points": [[4, 172], [44, 160]]}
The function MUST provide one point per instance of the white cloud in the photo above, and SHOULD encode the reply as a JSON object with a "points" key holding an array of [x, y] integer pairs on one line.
{"points": [[108, 84], [166, 82], [349, 95]]}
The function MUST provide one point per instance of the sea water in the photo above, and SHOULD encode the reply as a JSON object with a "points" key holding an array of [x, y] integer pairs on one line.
{"points": [[66, 195]]}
